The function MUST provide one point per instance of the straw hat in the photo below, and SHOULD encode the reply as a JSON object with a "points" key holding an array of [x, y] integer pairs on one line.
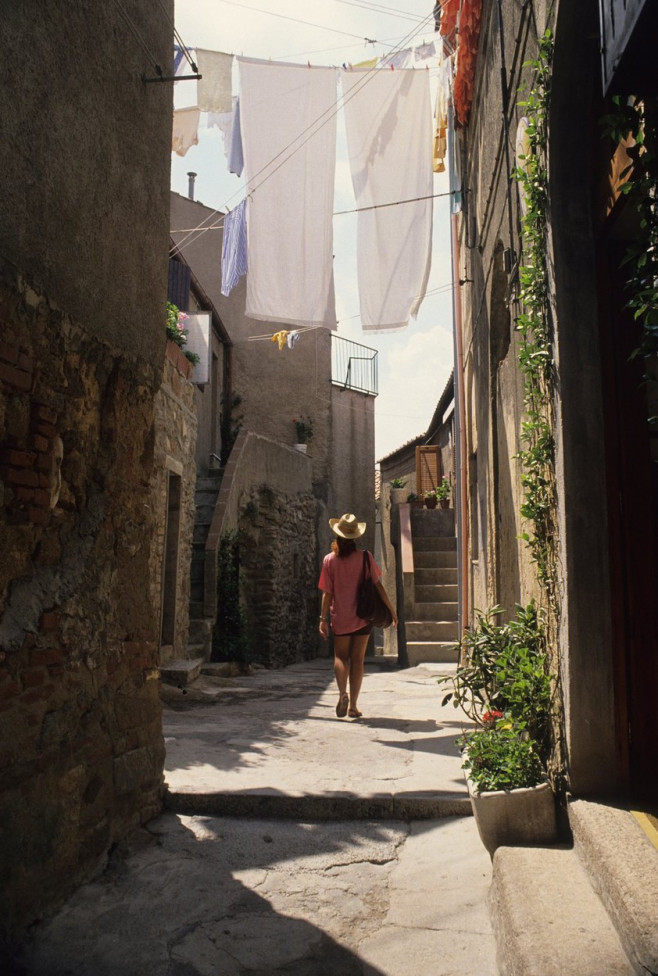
{"points": [[347, 526]]}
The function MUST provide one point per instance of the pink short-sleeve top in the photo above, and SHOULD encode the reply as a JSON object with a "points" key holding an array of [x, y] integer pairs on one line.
{"points": [[340, 578]]}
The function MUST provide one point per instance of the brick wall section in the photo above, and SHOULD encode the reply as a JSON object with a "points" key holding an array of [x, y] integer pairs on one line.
{"points": [[81, 749]]}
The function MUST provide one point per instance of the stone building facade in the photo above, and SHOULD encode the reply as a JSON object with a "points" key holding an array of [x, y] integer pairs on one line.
{"points": [[602, 609], [83, 244]]}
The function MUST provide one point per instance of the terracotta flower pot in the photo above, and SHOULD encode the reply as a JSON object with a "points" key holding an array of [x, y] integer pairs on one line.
{"points": [[430, 503]]}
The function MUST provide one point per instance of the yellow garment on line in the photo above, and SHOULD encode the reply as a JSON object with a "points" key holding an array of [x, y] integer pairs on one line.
{"points": [[280, 337]]}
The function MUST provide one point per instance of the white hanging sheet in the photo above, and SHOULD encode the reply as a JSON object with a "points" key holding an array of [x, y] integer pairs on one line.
{"points": [[288, 126], [390, 133]]}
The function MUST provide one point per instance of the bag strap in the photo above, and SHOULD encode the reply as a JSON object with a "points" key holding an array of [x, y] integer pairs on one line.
{"points": [[366, 563]]}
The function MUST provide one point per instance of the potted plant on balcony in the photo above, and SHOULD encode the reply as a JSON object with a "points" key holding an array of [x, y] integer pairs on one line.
{"points": [[398, 494], [443, 492], [504, 686], [303, 433], [431, 501], [414, 500]]}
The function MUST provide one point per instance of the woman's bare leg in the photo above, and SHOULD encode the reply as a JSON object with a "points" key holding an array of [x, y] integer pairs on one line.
{"points": [[359, 645], [342, 662]]}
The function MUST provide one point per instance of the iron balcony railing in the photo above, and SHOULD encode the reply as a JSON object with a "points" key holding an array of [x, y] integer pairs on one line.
{"points": [[353, 366]]}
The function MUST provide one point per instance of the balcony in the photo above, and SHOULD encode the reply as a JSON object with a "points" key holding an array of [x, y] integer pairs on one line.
{"points": [[353, 366]]}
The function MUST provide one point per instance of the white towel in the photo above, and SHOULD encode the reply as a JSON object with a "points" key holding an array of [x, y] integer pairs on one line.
{"points": [[214, 86], [288, 125], [389, 134]]}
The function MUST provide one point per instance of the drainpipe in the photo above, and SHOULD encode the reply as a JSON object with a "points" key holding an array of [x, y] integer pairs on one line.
{"points": [[460, 431], [191, 177]]}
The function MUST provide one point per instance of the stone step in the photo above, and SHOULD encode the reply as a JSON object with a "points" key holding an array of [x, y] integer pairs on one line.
{"points": [[434, 611], [197, 593], [437, 593], [435, 560], [445, 575], [182, 671], [203, 514], [434, 543], [546, 918], [431, 630], [205, 497], [622, 865], [435, 652], [437, 522]]}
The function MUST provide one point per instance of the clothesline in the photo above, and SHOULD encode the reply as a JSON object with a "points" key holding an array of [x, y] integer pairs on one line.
{"points": [[336, 213]]}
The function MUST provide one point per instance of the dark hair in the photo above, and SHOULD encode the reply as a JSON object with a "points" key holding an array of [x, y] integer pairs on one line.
{"points": [[343, 547]]}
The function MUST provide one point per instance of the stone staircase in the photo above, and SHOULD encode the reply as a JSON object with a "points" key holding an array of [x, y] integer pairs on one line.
{"points": [[590, 908], [431, 606]]}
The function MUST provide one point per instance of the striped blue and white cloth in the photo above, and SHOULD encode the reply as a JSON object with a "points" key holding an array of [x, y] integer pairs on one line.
{"points": [[234, 247]]}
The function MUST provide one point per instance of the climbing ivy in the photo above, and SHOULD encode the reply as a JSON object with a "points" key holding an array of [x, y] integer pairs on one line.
{"points": [[534, 325]]}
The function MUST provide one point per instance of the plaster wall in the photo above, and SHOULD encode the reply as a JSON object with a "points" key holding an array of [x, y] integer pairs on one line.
{"points": [[85, 155]]}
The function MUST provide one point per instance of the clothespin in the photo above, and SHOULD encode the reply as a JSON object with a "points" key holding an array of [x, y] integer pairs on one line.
{"points": [[308, 64]]}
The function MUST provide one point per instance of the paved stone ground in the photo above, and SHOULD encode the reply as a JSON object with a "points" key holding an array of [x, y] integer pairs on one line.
{"points": [[208, 895]]}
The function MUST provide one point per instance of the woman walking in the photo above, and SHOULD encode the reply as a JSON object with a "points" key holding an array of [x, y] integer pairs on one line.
{"points": [[341, 575]]}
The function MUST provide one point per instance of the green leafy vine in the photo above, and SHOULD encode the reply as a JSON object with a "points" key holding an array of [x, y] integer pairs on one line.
{"points": [[534, 325]]}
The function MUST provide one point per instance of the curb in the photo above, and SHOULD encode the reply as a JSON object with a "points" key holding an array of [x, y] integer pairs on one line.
{"points": [[330, 806]]}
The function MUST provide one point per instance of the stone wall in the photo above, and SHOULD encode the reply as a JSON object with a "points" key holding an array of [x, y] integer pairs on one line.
{"points": [[279, 579], [80, 720], [175, 444]]}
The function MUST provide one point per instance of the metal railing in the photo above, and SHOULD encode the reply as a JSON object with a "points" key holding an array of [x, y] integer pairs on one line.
{"points": [[353, 366]]}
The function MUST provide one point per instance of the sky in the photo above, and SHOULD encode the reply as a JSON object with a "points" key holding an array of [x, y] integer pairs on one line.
{"points": [[414, 363]]}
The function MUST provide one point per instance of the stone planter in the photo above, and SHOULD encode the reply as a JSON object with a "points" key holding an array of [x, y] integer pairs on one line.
{"points": [[399, 495], [513, 818]]}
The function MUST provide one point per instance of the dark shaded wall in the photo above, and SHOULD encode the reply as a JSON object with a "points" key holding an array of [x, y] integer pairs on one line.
{"points": [[83, 243]]}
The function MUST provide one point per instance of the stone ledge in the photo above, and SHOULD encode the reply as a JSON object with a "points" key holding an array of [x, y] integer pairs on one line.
{"points": [[546, 918], [182, 672], [623, 867]]}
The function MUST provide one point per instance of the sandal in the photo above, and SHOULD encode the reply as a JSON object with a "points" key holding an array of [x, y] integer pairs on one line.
{"points": [[341, 707], [354, 713]]}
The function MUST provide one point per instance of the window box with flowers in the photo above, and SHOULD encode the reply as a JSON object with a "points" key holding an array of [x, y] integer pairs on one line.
{"points": [[303, 433], [503, 685], [176, 332]]}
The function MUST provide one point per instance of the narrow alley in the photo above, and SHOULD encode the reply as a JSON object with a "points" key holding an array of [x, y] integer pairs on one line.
{"points": [[293, 842]]}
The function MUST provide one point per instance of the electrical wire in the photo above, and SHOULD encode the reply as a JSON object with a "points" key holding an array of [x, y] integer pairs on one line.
{"points": [[296, 20], [138, 37], [378, 8]]}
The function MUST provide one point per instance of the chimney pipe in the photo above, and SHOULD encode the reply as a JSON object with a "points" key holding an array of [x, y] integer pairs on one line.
{"points": [[190, 185]]}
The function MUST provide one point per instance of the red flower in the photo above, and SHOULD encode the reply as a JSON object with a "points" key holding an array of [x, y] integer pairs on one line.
{"points": [[491, 716]]}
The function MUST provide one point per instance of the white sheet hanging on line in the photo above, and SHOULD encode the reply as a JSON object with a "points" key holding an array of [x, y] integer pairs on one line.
{"points": [[288, 125], [389, 134]]}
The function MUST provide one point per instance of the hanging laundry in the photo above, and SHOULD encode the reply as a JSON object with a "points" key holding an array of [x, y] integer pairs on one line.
{"points": [[292, 338], [234, 247], [185, 130], [425, 51], [441, 115], [389, 137], [215, 85], [288, 126], [235, 156], [178, 58], [365, 65], [280, 337], [398, 60]]}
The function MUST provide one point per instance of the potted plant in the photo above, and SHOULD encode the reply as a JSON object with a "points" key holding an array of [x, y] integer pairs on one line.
{"points": [[431, 501], [397, 490], [503, 685], [414, 500], [443, 492], [303, 433]]}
